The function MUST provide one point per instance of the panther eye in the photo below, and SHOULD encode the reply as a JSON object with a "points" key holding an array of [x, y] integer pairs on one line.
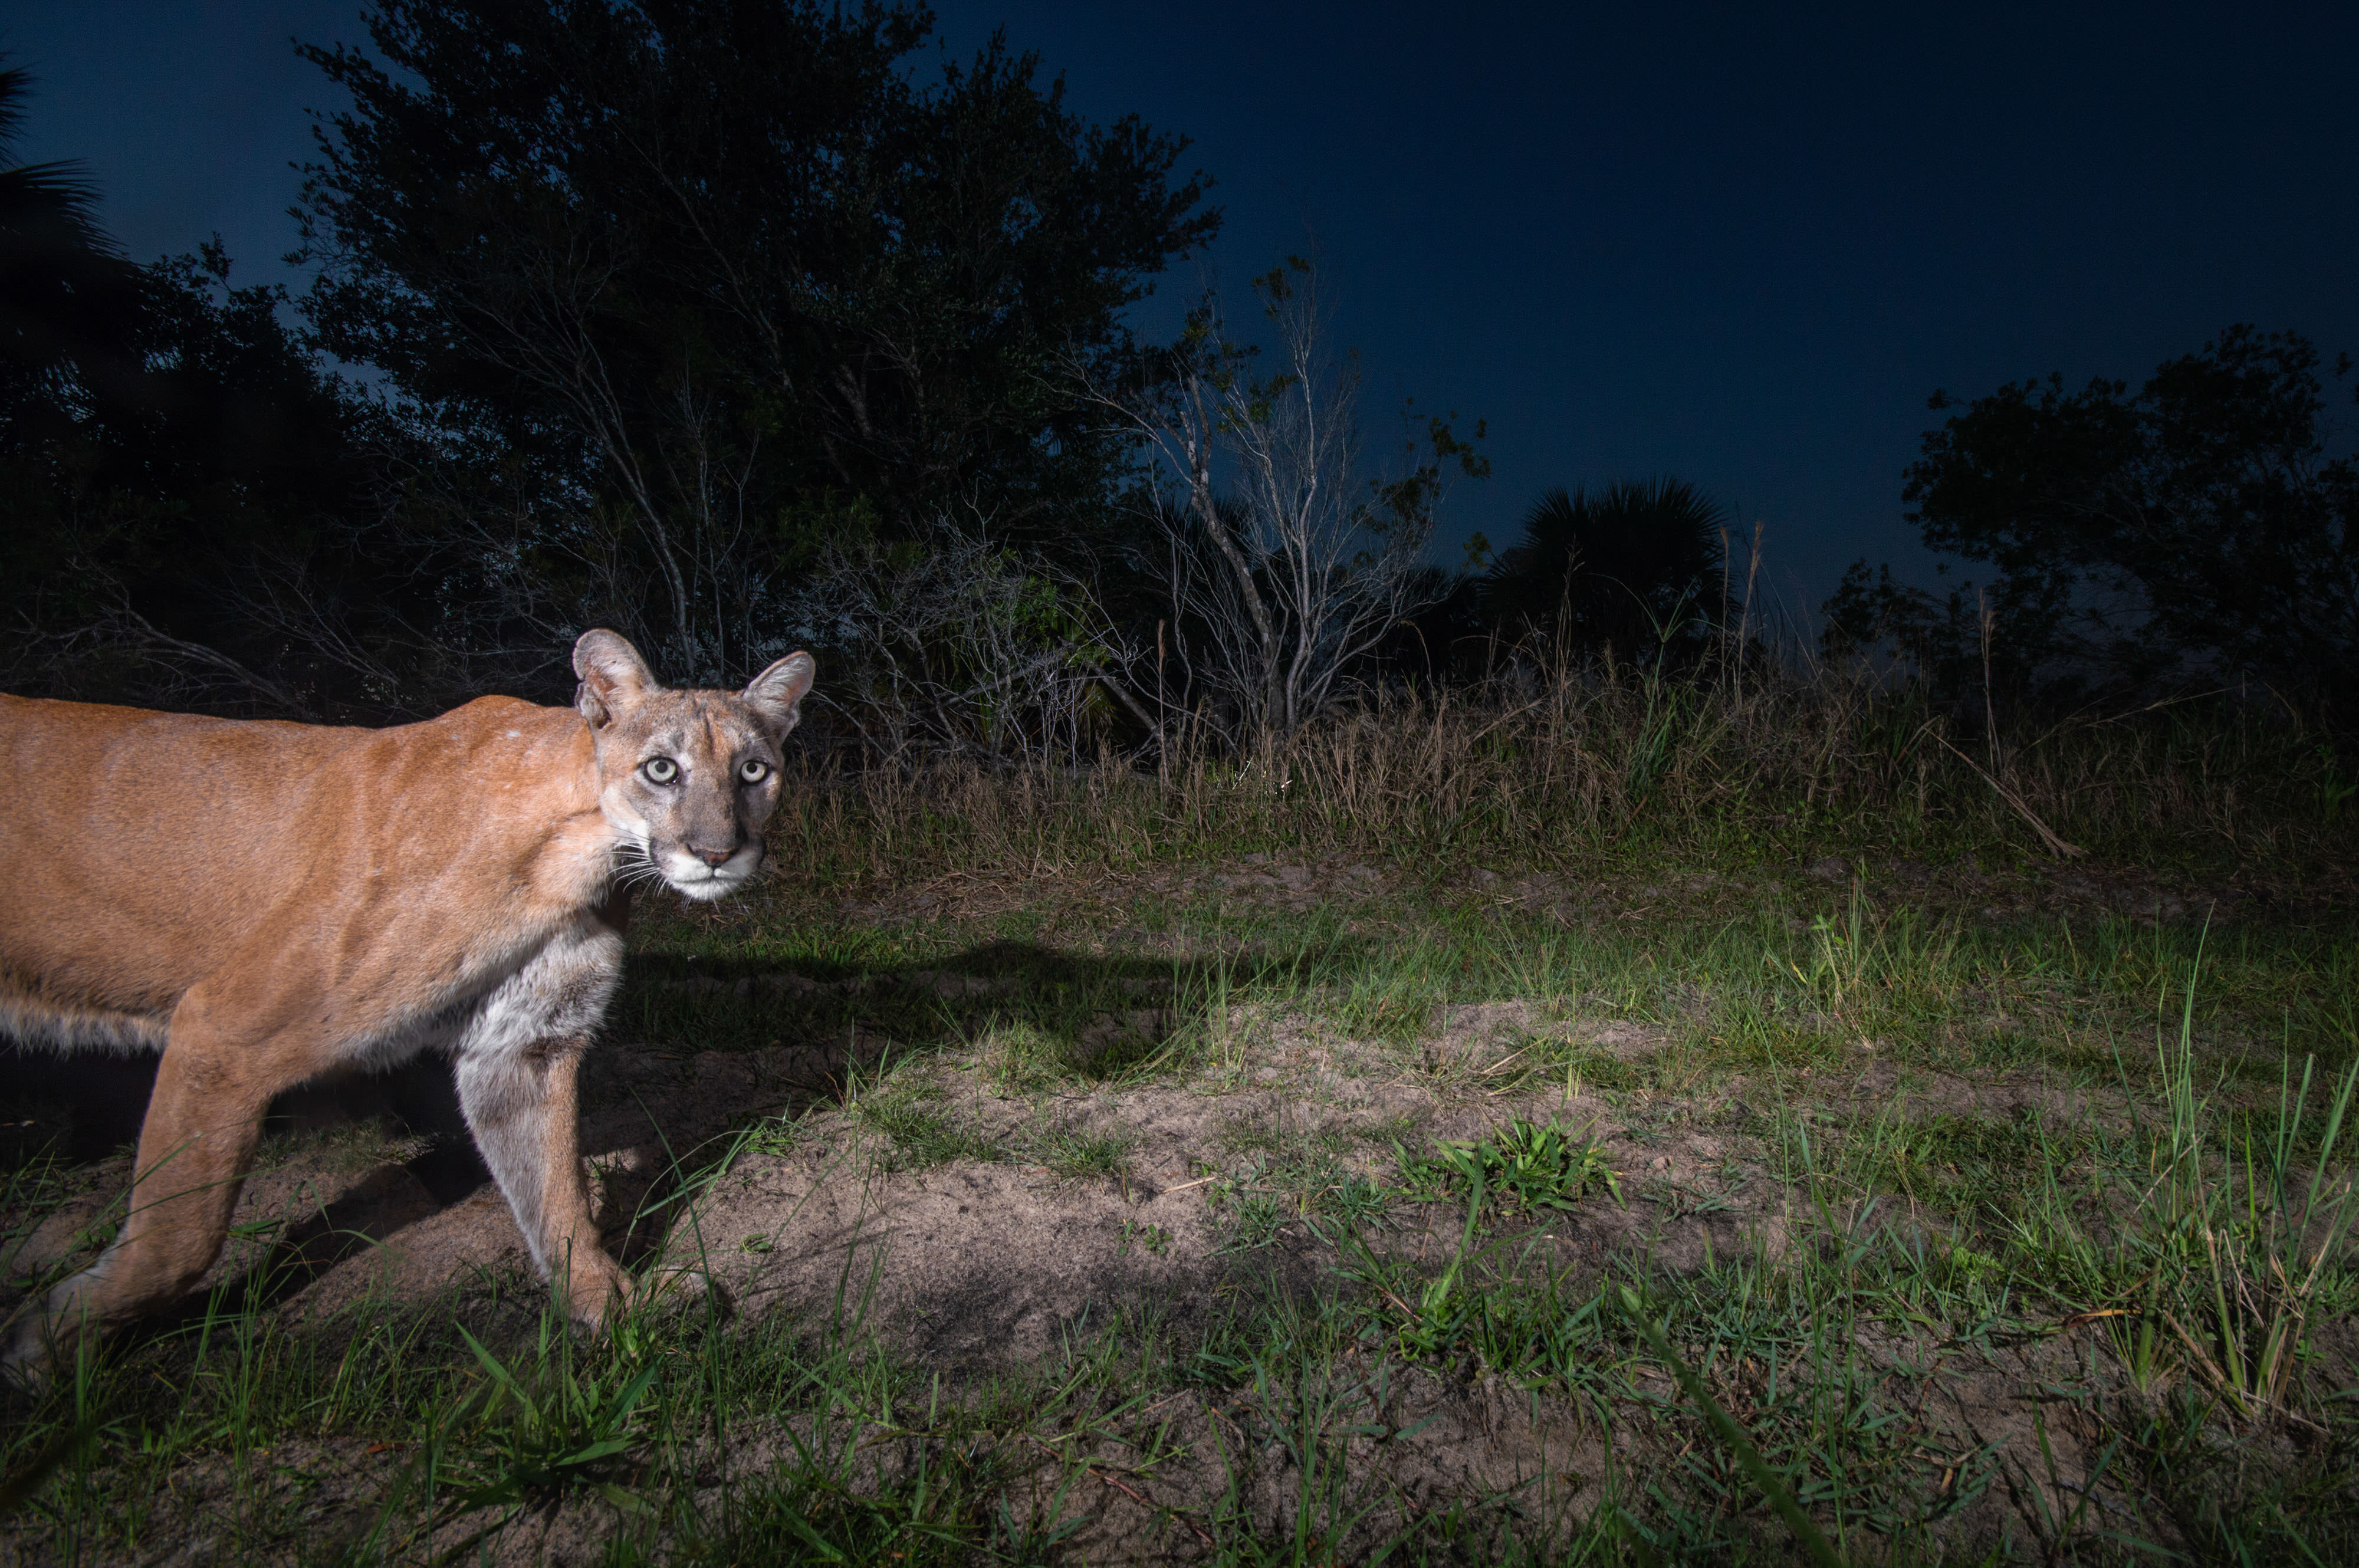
{"points": [[660, 769], [753, 771]]}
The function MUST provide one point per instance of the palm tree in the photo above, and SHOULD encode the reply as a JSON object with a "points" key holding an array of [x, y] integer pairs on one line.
{"points": [[1636, 566], [70, 303]]}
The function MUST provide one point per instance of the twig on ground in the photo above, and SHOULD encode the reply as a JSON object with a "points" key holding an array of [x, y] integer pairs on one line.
{"points": [[1136, 1496]]}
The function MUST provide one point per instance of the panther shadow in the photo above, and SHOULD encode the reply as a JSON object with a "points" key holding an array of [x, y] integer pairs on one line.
{"points": [[1092, 1019]]}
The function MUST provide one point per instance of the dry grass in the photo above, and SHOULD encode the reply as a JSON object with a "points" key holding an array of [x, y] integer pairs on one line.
{"points": [[1568, 766]]}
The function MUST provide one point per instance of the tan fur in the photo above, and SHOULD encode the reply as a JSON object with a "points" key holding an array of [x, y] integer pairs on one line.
{"points": [[265, 902]]}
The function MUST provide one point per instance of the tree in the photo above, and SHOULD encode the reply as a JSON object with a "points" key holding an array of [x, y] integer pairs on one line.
{"points": [[1287, 557], [684, 289], [144, 508], [165, 439], [69, 301], [2196, 529], [1636, 567]]}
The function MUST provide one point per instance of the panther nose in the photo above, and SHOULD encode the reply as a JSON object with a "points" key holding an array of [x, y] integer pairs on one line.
{"points": [[712, 858]]}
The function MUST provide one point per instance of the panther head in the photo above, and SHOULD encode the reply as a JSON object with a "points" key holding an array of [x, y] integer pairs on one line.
{"points": [[688, 779]]}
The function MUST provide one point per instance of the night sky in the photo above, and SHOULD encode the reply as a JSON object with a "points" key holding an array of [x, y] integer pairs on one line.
{"points": [[1719, 244]]}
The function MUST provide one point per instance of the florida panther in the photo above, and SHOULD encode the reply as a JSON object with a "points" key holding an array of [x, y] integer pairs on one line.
{"points": [[263, 902]]}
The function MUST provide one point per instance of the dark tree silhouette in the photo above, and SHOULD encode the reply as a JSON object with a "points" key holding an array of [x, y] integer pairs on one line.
{"points": [[1636, 566], [139, 525], [2197, 529], [166, 440], [686, 291], [68, 302]]}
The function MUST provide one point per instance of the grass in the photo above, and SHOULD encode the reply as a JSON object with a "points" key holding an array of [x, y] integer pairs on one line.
{"points": [[1568, 1172], [1522, 1165]]}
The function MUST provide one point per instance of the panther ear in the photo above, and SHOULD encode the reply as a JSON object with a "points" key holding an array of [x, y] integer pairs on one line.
{"points": [[776, 694], [613, 674]]}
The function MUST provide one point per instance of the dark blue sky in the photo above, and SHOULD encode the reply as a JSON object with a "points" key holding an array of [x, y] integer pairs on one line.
{"points": [[1721, 243]]}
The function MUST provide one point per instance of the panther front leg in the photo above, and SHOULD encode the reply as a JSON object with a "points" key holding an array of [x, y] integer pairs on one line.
{"points": [[518, 1074], [523, 1108]]}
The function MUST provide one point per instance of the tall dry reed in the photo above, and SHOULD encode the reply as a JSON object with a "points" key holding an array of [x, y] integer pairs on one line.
{"points": [[1553, 766]]}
